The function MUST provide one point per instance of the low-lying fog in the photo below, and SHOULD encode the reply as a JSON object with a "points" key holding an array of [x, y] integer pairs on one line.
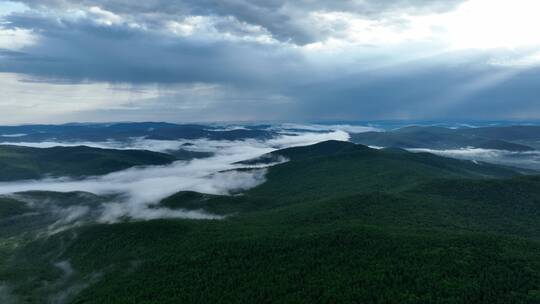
{"points": [[525, 160], [142, 187]]}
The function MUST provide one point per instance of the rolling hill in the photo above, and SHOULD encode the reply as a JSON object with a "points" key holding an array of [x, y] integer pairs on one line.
{"points": [[17, 162], [338, 223]]}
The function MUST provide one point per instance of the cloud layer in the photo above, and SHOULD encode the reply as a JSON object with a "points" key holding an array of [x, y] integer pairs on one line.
{"points": [[238, 60], [284, 20]]}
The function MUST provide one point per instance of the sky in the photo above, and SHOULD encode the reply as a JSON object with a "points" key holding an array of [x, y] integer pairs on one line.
{"points": [[268, 60]]}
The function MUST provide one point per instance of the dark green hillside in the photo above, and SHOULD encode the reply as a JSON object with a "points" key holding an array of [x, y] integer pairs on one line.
{"points": [[338, 223], [314, 172], [10, 207], [327, 148], [331, 147], [342, 261], [334, 169], [18, 162]]}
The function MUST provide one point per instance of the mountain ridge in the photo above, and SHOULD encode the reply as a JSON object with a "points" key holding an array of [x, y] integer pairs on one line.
{"points": [[499, 138], [19, 162]]}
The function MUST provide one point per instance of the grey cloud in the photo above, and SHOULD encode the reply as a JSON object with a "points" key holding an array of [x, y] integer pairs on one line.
{"points": [[257, 81], [283, 18], [81, 49], [84, 50]]}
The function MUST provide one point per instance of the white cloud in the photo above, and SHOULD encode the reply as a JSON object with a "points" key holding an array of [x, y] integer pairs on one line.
{"points": [[494, 24], [105, 17], [483, 25], [225, 28], [8, 7], [16, 39]]}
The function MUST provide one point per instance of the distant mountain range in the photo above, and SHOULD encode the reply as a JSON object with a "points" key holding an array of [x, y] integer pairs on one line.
{"points": [[510, 138], [17, 162], [124, 131]]}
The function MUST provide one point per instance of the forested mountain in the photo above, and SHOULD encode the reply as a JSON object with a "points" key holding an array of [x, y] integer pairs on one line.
{"points": [[18, 162], [337, 223]]}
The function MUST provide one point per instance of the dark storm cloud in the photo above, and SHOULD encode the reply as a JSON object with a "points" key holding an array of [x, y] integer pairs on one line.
{"points": [[81, 49], [282, 18]]}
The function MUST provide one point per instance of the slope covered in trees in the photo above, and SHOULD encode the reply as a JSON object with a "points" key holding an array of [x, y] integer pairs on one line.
{"points": [[18, 162], [338, 223]]}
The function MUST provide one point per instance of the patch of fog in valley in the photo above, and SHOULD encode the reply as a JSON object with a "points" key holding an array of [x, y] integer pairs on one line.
{"points": [[135, 192], [6, 296], [525, 160], [13, 135], [325, 128]]}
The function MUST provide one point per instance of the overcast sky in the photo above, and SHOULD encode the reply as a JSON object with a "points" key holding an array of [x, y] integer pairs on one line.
{"points": [[254, 60]]}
